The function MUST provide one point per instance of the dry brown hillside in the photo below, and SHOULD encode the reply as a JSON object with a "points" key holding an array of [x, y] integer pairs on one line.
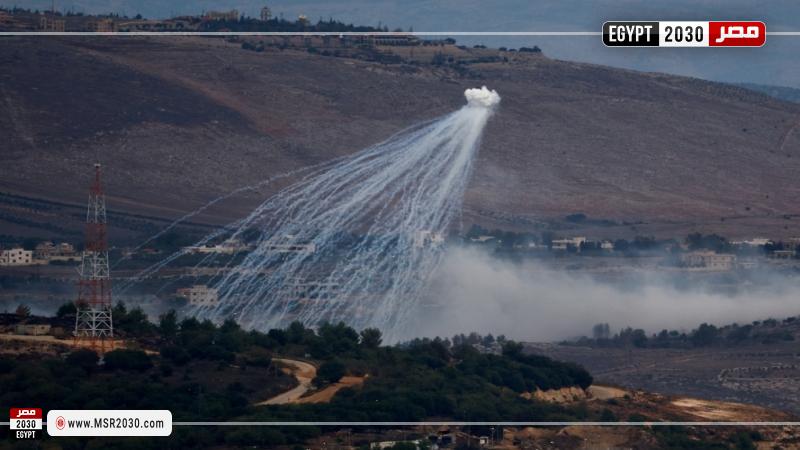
{"points": [[177, 121]]}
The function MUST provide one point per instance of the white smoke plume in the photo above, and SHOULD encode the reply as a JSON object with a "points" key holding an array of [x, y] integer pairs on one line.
{"points": [[482, 97], [529, 301], [355, 239]]}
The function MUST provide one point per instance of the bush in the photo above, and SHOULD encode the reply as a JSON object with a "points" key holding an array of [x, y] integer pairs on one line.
{"points": [[175, 354], [84, 358], [329, 372], [67, 309], [124, 359]]}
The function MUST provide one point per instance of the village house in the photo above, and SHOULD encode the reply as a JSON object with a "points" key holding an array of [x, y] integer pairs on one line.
{"points": [[16, 257], [564, 244], [200, 295], [709, 260]]}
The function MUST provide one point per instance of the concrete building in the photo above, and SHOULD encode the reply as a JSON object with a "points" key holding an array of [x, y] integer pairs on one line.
{"points": [[754, 242], [783, 254], [228, 247], [200, 295], [306, 291], [51, 23], [100, 25], [47, 251], [16, 257], [482, 238], [229, 16], [32, 329], [289, 244], [709, 260], [427, 238], [564, 244]]}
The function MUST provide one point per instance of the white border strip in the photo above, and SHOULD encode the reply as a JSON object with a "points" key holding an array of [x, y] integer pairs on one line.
{"points": [[326, 33], [508, 424], [301, 33]]}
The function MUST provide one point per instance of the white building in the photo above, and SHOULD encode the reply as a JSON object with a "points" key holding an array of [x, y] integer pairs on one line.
{"points": [[482, 238], [200, 295], [229, 247], [783, 254], [563, 244], [16, 257], [427, 238], [47, 251], [607, 246], [755, 242], [289, 244], [709, 260]]}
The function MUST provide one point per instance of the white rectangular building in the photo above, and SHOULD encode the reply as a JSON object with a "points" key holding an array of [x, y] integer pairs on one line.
{"points": [[16, 257], [200, 295]]}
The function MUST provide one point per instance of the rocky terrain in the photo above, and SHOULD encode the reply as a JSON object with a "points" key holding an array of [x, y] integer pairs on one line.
{"points": [[758, 374], [178, 121]]}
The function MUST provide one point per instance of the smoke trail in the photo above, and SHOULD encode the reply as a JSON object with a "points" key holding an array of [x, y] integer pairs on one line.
{"points": [[357, 239], [233, 193]]}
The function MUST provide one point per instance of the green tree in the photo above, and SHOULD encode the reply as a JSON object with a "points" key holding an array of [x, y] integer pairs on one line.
{"points": [[371, 338], [512, 349], [84, 358], [125, 359], [329, 372], [66, 310], [23, 310], [704, 335], [168, 324]]}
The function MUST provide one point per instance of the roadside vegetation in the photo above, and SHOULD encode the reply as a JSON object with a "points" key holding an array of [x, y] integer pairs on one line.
{"points": [[769, 331], [202, 371]]}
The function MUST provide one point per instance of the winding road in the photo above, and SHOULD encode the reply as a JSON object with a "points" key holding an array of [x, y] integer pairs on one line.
{"points": [[304, 372]]}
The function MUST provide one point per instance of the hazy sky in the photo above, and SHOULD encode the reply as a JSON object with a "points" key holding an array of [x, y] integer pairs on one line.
{"points": [[776, 63]]}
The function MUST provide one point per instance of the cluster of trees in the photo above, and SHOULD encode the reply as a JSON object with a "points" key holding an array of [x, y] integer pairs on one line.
{"points": [[250, 24], [471, 339], [421, 379], [639, 245], [765, 332], [699, 241]]}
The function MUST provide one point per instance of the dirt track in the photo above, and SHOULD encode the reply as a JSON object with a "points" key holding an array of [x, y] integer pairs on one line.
{"points": [[304, 372]]}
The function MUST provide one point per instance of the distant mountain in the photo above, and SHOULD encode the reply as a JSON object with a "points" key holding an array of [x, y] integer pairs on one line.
{"points": [[775, 63], [180, 121], [780, 92]]}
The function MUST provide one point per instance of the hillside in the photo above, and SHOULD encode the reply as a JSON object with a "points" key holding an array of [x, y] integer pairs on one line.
{"points": [[779, 92], [179, 121], [200, 371]]}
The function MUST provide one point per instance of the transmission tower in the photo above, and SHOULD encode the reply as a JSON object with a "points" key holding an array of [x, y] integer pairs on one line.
{"points": [[93, 324]]}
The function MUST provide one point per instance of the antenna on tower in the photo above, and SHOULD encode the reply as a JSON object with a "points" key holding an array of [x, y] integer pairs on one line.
{"points": [[93, 323]]}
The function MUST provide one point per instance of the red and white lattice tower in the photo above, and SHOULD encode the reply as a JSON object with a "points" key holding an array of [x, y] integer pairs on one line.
{"points": [[93, 324]]}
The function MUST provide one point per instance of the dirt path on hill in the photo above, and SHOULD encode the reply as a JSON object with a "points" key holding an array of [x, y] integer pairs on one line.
{"points": [[303, 371]]}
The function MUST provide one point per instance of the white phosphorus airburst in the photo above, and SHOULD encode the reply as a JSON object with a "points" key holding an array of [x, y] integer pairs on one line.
{"points": [[356, 239]]}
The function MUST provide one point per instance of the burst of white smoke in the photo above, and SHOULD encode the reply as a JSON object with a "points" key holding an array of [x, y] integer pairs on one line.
{"points": [[484, 97], [354, 240]]}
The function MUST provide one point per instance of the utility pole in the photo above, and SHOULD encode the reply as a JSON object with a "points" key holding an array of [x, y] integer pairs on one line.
{"points": [[93, 323]]}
